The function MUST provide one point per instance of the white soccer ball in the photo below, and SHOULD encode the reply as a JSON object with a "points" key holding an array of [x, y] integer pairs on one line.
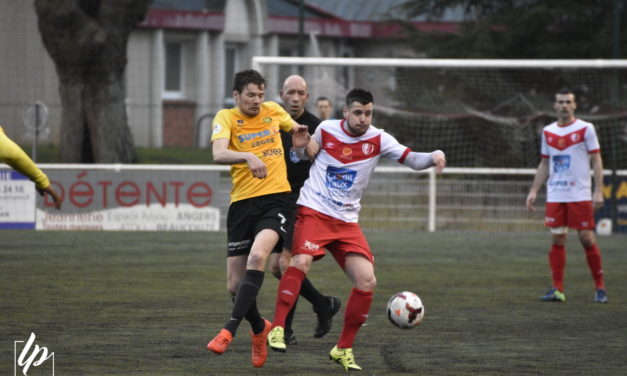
{"points": [[405, 310]]}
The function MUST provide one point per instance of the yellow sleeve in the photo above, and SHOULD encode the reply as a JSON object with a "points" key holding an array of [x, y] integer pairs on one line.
{"points": [[14, 156], [221, 126], [285, 119]]}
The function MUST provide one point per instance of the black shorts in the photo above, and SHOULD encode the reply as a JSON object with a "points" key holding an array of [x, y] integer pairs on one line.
{"points": [[246, 218], [291, 219]]}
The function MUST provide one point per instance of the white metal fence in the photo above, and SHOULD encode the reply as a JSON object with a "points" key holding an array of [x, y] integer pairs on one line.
{"points": [[397, 199]]}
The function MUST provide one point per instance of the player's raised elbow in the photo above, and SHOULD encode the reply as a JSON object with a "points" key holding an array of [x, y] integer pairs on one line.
{"points": [[219, 158]]}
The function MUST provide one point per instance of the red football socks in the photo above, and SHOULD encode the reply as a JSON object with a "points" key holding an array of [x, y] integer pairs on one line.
{"points": [[557, 262], [593, 256], [289, 289], [355, 315]]}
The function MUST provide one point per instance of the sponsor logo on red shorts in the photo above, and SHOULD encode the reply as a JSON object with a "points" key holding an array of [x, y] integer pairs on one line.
{"points": [[310, 246]]}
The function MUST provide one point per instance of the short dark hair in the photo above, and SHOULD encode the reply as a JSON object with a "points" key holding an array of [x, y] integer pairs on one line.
{"points": [[323, 98], [245, 77], [565, 91], [359, 95]]}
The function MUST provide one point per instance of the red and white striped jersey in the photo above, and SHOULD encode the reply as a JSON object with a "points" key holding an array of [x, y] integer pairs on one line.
{"points": [[342, 168], [568, 148]]}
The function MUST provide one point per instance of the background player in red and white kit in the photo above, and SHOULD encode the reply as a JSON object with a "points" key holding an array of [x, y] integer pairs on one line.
{"points": [[346, 153], [569, 146]]}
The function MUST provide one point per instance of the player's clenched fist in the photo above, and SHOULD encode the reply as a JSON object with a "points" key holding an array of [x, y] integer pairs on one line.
{"points": [[439, 159]]}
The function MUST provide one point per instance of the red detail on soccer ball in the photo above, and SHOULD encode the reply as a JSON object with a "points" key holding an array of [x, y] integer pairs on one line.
{"points": [[405, 310]]}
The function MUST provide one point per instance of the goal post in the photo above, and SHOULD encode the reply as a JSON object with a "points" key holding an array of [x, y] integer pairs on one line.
{"points": [[485, 114], [258, 62]]}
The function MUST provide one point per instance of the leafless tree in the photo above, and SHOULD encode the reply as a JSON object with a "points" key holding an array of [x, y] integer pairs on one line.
{"points": [[87, 41]]}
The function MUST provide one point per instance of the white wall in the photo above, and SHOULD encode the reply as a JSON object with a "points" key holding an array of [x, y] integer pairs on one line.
{"points": [[27, 73], [140, 86]]}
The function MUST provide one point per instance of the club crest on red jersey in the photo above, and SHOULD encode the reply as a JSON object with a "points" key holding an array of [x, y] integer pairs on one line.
{"points": [[367, 148]]}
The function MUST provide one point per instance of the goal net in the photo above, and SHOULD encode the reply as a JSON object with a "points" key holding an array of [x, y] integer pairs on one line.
{"points": [[485, 114]]}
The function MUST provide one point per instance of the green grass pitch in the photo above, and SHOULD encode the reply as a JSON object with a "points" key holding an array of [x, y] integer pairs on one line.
{"points": [[147, 303]]}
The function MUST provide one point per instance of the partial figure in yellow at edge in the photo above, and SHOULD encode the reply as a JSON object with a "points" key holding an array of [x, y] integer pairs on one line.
{"points": [[14, 156]]}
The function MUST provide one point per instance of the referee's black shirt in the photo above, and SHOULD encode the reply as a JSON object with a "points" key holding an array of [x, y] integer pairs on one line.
{"points": [[298, 172]]}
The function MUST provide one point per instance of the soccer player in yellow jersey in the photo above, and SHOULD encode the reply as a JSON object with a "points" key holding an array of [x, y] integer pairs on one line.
{"points": [[247, 138], [14, 156]]}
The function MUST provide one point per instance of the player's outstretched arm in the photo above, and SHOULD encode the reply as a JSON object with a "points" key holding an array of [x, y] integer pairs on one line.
{"points": [[15, 157], [542, 173], [298, 128], [421, 161]]}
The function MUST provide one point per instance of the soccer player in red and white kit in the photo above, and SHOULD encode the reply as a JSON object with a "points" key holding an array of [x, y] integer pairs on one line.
{"points": [[295, 95], [569, 146], [345, 153]]}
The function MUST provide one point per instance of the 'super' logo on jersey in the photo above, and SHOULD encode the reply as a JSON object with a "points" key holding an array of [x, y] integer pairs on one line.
{"points": [[561, 163], [340, 178], [252, 136]]}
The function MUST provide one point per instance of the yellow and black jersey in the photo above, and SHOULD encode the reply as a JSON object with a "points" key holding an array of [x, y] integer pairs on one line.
{"points": [[258, 135], [14, 156]]}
